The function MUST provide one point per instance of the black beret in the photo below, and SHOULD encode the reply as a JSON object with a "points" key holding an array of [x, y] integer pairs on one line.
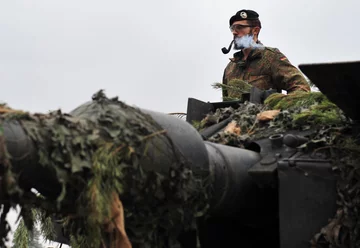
{"points": [[244, 14]]}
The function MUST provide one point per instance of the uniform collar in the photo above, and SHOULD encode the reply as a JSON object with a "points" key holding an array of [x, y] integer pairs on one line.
{"points": [[254, 54]]}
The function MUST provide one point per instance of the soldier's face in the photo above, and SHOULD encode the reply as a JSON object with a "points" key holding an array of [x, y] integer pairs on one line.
{"points": [[244, 34]]}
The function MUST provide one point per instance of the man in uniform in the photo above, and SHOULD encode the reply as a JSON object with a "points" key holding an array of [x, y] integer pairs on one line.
{"points": [[258, 65]]}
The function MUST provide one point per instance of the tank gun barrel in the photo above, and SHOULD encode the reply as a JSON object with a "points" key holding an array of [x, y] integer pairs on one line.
{"points": [[224, 168]]}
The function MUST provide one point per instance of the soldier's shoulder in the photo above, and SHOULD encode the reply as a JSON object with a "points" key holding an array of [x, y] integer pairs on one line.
{"points": [[275, 53], [272, 50]]}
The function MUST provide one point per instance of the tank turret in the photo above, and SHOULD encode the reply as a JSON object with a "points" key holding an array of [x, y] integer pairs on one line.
{"points": [[172, 185]]}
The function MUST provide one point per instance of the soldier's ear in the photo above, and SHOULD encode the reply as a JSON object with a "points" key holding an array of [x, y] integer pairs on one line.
{"points": [[256, 30]]}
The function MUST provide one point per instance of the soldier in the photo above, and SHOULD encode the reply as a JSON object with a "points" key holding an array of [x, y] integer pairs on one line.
{"points": [[258, 65]]}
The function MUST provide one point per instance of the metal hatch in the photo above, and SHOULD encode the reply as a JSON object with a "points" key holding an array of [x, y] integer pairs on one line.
{"points": [[339, 81]]}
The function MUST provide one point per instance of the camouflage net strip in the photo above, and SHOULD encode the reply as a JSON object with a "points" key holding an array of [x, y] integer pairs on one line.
{"points": [[94, 156]]}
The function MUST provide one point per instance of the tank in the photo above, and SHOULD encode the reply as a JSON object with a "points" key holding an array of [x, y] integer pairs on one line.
{"points": [[178, 187]]}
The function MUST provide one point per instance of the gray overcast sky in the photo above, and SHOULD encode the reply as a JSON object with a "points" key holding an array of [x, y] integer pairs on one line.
{"points": [[153, 54]]}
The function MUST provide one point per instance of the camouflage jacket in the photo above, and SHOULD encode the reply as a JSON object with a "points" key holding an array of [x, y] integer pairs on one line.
{"points": [[266, 69]]}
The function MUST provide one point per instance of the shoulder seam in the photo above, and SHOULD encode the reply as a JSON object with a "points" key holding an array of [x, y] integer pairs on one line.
{"points": [[272, 49]]}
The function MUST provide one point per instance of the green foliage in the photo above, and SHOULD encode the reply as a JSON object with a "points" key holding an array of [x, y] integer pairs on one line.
{"points": [[21, 236], [306, 109], [208, 121], [96, 201], [297, 99], [46, 225], [35, 241], [196, 125], [35, 224], [27, 238], [235, 89], [315, 116]]}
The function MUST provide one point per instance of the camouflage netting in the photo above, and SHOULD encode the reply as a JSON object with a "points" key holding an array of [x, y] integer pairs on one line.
{"points": [[300, 110], [330, 133], [110, 156], [88, 163]]}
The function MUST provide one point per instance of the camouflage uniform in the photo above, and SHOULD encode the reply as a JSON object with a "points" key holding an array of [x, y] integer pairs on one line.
{"points": [[265, 68]]}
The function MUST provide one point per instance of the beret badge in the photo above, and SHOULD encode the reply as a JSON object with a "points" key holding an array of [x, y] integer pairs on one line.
{"points": [[243, 14]]}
